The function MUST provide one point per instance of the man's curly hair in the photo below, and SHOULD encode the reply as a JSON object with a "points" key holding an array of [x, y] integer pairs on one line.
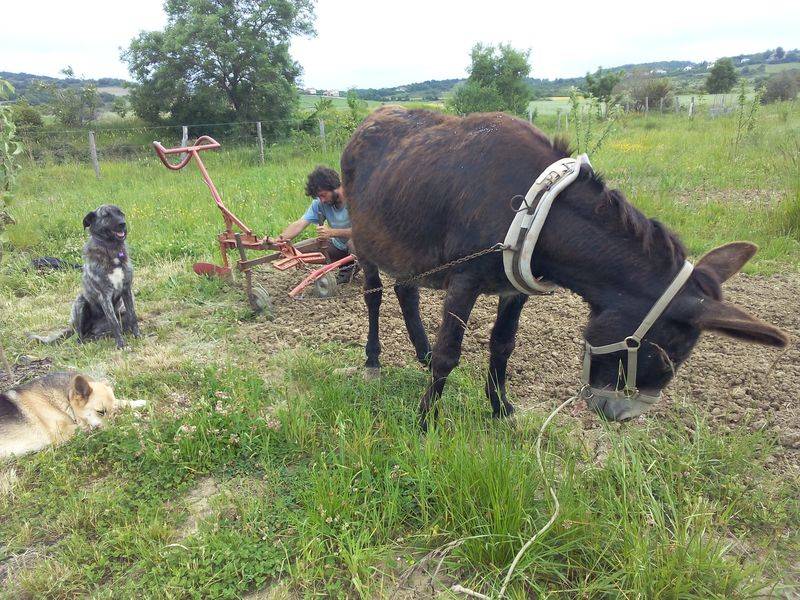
{"points": [[322, 178]]}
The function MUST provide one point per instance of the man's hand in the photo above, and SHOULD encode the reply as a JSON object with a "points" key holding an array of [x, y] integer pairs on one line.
{"points": [[324, 232]]}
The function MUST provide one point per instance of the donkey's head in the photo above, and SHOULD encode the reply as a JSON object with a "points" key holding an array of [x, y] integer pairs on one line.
{"points": [[697, 307]]}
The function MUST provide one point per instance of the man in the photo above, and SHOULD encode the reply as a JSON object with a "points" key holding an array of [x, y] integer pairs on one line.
{"points": [[325, 187]]}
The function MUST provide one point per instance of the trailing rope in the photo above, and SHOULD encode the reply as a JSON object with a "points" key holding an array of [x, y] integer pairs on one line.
{"points": [[442, 551]]}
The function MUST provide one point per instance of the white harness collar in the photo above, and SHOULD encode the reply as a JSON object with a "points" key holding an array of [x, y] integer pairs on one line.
{"points": [[527, 224], [518, 250]]}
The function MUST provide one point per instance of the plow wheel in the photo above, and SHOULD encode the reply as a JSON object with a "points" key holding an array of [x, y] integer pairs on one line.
{"points": [[325, 286], [260, 301]]}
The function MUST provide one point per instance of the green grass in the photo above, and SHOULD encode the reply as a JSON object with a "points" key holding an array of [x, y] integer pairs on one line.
{"points": [[324, 486]]}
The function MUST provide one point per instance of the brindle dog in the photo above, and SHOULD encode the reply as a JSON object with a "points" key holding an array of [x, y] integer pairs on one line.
{"points": [[424, 189], [105, 304]]}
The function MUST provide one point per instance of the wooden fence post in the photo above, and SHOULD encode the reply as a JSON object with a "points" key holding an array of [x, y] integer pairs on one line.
{"points": [[322, 135], [530, 114], [661, 106], [691, 107], [677, 105], [647, 104], [260, 142], [184, 136], [93, 154]]}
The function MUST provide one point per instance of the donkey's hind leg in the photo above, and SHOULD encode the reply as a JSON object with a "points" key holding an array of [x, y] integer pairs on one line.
{"points": [[461, 296], [408, 296], [501, 345], [372, 299]]}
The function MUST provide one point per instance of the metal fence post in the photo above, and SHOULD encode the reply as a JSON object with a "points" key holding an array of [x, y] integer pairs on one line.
{"points": [[322, 135], [93, 154], [260, 142]]}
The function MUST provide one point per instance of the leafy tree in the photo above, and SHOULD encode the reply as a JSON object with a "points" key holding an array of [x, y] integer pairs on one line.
{"points": [[496, 81], [722, 77], [10, 149], [601, 85], [779, 53], [219, 60], [73, 106], [120, 107]]}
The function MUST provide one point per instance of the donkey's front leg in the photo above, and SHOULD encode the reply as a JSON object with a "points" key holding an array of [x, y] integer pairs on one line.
{"points": [[372, 281], [501, 345], [461, 295], [408, 297]]}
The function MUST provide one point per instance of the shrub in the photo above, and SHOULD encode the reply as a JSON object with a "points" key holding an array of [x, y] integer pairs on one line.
{"points": [[26, 117], [782, 86]]}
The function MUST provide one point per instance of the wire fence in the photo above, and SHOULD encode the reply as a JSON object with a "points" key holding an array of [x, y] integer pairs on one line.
{"points": [[98, 144]]}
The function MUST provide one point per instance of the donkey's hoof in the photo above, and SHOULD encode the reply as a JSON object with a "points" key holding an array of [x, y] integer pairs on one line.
{"points": [[506, 411], [372, 373]]}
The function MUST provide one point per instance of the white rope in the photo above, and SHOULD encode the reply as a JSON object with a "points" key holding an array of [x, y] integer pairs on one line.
{"points": [[458, 589]]}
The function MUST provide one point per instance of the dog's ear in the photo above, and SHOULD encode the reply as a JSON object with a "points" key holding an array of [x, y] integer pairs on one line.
{"points": [[79, 390], [89, 219]]}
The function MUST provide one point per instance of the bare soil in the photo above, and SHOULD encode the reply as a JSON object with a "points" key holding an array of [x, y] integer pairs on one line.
{"points": [[734, 384]]}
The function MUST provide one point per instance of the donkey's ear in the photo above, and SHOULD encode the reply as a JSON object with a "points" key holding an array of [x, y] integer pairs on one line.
{"points": [[724, 262], [89, 219], [729, 320]]}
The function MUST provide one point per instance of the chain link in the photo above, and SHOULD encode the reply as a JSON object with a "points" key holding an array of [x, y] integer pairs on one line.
{"points": [[498, 247]]}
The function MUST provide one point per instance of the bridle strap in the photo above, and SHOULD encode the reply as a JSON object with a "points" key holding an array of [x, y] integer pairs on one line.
{"points": [[633, 342]]}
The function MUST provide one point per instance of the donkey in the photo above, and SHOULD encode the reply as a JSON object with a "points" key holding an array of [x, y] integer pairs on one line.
{"points": [[424, 189]]}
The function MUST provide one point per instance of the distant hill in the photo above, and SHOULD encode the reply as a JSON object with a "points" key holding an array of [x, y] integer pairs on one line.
{"points": [[25, 85], [686, 77]]}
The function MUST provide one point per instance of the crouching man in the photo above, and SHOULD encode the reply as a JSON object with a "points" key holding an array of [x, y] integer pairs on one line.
{"points": [[325, 187]]}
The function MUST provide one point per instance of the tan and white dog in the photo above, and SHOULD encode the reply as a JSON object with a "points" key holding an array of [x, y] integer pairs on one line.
{"points": [[50, 409]]}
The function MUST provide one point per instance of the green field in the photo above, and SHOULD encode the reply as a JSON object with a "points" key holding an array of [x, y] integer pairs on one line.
{"points": [[256, 468]]}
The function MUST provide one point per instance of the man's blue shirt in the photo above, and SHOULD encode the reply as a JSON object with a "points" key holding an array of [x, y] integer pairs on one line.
{"points": [[337, 218]]}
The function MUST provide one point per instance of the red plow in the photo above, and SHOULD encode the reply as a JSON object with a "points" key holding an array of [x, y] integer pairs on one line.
{"points": [[284, 255]]}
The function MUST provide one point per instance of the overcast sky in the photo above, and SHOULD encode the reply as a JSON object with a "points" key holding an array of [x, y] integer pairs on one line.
{"points": [[364, 43]]}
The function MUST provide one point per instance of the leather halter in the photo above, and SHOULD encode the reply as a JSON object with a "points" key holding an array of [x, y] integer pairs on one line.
{"points": [[518, 250]]}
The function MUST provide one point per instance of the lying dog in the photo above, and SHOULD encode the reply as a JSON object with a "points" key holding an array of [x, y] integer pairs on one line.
{"points": [[105, 304], [50, 409]]}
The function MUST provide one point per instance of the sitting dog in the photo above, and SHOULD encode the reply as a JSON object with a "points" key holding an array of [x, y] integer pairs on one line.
{"points": [[49, 410], [105, 304]]}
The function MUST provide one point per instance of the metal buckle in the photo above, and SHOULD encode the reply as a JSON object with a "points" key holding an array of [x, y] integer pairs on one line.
{"points": [[632, 343]]}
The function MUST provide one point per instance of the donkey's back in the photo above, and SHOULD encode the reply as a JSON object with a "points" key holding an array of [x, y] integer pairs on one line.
{"points": [[424, 188]]}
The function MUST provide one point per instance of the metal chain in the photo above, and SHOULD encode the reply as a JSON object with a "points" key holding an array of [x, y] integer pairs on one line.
{"points": [[498, 247]]}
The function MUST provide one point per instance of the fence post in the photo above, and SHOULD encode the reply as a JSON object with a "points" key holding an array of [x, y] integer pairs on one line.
{"points": [[691, 107], [647, 104], [93, 154], [677, 105], [322, 135], [260, 142], [184, 136], [661, 106], [530, 114]]}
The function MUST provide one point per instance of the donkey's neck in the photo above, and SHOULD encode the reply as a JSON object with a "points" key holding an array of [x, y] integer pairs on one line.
{"points": [[603, 262]]}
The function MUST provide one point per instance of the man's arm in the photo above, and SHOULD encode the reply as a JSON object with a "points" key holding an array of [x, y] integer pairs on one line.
{"points": [[325, 232], [293, 230]]}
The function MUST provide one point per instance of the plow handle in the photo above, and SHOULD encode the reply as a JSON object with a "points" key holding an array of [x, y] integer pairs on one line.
{"points": [[203, 143]]}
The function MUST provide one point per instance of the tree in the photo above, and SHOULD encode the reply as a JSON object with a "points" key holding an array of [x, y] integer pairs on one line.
{"points": [[219, 60], [779, 53], [601, 85], [120, 107], [73, 106], [496, 81], [722, 77]]}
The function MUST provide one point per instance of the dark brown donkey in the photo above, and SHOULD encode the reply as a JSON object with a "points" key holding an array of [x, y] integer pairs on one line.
{"points": [[425, 188]]}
